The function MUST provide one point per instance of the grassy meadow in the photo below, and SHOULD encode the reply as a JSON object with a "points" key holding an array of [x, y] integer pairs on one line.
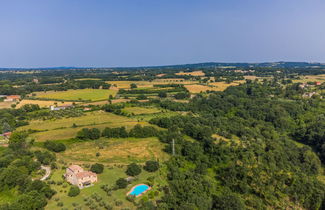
{"points": [[141, 110], [42, 104], [311, 78], [114, 151], [80, 94], [63, 128]]}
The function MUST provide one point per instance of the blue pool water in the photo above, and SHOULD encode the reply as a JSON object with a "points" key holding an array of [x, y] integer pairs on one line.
{"points": [[139, 189]]}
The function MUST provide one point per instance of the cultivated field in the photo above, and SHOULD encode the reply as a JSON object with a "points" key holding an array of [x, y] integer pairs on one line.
{"points": [[214, 86], [6, 104], [80, 94], [42, 103], [193, 73]]}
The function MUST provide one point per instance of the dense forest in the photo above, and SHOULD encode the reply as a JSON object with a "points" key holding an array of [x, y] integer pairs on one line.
{"points": [[255, 163]]}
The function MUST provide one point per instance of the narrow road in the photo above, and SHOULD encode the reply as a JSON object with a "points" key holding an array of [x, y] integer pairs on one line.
{"points": [[48, 172]]}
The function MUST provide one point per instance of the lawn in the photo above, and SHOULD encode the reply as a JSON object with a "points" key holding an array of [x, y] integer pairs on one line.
{"points": [[114, 151], [80, 94], [109, 177], [62, 128]]}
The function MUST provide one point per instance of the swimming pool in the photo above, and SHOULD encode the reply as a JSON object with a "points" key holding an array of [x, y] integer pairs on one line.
{"points": [[139, 189]]}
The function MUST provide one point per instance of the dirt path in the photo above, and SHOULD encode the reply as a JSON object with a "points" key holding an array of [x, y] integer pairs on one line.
{"points": [[48, 172]]}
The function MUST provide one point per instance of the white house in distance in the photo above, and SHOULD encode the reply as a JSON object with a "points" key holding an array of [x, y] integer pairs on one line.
{"points": [[56, 108], [77, 176]]}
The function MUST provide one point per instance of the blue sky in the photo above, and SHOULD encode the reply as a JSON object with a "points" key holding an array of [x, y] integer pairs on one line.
{"points": [[47, 33]]}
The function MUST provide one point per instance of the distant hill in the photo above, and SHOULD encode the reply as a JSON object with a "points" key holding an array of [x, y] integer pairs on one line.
{"points": [[280, 64]]}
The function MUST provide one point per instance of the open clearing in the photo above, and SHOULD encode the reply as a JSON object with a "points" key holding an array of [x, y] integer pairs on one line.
{"points": [[214, 86], [62, 128], [311, 78], [114, 151], [6, 104], [193, 73], [42, 103], [80, 94]]}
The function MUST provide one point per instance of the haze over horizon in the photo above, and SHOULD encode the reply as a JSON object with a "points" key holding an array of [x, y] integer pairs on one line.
{"points": [[45, 33]]}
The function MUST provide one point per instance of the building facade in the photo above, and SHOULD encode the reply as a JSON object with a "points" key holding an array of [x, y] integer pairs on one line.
{"points": [[77, 176]]}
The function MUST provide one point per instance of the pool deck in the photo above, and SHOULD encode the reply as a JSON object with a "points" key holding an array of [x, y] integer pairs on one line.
{"points": [[149, 188]]}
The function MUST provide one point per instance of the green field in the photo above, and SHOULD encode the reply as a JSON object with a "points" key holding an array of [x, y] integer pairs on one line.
{"points": [[80, 94], [62, 128], [114, 151], [109, 177]]}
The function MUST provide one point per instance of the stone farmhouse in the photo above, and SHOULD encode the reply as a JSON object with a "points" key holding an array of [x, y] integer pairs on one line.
{"points": [[12, 98], [77, 176]]}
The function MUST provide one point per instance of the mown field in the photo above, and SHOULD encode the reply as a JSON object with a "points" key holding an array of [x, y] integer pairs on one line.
{"points": [[80, 94], [214, 86]]}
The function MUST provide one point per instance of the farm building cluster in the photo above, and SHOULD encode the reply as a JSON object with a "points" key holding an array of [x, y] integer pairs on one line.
{"points": [[10, 98]]}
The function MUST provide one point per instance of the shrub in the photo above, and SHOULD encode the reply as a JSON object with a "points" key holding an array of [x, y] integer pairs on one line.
{"points": [[121, 183], [133, 170], [142, 97], [97, 168], [74, 191], [151, 166], [162, 94], [133, 86]]}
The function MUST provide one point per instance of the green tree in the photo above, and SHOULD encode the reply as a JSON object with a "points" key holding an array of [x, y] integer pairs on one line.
{"points": [[74, 191], [133, 169], [121, 183], [151, 166], [162, 94], [97, 168], [133, 86], [18, 141]]}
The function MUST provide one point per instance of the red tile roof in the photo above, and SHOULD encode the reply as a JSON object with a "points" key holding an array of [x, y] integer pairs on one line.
{"points": [[85, 174], [13, 97], [75, 168]]}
